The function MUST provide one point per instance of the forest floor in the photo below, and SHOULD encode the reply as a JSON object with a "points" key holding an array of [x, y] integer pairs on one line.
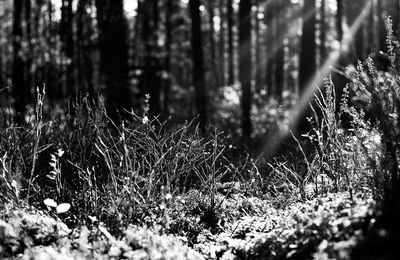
{"points": [[327, 227]]}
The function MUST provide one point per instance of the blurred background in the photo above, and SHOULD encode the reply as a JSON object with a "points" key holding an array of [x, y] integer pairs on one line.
{"points": [[249, 67]]}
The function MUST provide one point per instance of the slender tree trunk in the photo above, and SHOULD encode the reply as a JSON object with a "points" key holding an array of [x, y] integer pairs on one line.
{"points": [[51, 78], [280, 29], [269, 42], [18, 84], [231, 64], [214, 72], [354, 8], [245, 65], [393, 11], [338, 79], [29, 53], [371, 29], [168, 45], [113, 55], [1, 58], [152, 79], [381, 27], [257, 69], [308, 45], [308, 65], [222, 44], [198, 63], [339, 20], [85, 71], [67, 39], [322, 33]]}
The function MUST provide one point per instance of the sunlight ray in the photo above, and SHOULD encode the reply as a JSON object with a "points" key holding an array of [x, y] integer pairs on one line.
{"points": [[289, 33], [274, 140]]}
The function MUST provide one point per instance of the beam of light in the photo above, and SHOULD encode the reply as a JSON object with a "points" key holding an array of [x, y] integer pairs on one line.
{"points": [[276, 138], [289, 34]]}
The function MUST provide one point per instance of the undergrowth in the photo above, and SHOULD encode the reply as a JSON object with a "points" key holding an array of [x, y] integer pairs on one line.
{"points": [[119, 174]]}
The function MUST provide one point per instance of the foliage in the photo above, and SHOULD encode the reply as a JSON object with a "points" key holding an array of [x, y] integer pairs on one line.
{"points": [[116, 173]]}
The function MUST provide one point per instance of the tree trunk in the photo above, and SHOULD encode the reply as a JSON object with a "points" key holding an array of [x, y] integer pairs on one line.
{"points": [[221, 63], [279, 60], [245, 65], [372, 29], [113, 55], [168, 49], [50, 70], [231, 64], [308, 46], [269, 42], [257, 69], [354, 8], [67, 43], [393, 11], [307, 66], [152, 79], [84, 33], [29, 54], [214, 72], [198, 64], [339, 20], [338, 79], [381, 27], [322, 33], [18, 83]]}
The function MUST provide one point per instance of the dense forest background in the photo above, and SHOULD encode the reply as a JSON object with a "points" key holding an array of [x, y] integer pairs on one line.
{"points": [[249, 67]]}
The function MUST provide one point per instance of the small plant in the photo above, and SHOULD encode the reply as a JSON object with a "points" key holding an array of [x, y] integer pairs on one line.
{"points": [[60, 208], [38, 131], [55, 172]]}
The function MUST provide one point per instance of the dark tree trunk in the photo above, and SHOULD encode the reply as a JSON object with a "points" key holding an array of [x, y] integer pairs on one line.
{"points": [[307, 66], [322, 33], [338, 79], [257, 55], [269, 42], [381, 26], [29, 53], [84, 33], [354, 8], [198, 63], [67, 40], [20, 92], [308, 45], [214, 72], [50, 76], [279, 60], [113, 55], [168, 45], [245, 65], [152, 80], [2, 86], [393, 11], [231, 65], [339, 20], [371, 30], [222, 50]]}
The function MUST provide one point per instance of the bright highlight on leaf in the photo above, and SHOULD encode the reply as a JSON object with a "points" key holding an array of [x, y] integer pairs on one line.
{"points": [[93, 218], [50, 203], [145, 120], [60, 153], [63, 207]]}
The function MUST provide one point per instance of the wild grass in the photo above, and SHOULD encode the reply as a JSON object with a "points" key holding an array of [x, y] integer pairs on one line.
{"points": [[118, 174]]}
